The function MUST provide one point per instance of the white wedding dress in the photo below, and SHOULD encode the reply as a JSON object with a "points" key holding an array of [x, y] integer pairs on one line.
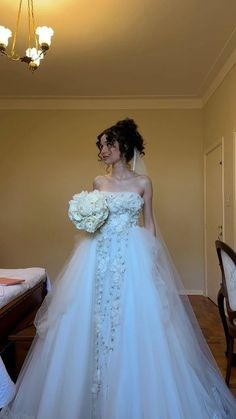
{"points": [[117, 338], [7, 387]]}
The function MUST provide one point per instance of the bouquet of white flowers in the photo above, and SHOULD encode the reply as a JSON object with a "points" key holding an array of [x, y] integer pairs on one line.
{"points": [[88, 210]]}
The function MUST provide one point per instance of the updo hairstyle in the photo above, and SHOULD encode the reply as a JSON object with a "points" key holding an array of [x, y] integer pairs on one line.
{"points": [[125, 132]]}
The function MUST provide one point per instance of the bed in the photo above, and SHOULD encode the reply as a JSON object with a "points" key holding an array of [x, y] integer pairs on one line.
{"points": [[18, 306]]}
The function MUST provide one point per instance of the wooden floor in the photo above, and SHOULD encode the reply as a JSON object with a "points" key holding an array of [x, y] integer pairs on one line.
{"points": [[208, 316]]}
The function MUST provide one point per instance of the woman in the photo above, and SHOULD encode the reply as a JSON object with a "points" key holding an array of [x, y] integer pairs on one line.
{"points": [[118, 339]]}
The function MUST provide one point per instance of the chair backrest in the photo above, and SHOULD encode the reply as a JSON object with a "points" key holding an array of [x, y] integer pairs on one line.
{"points": [[227, 260]]}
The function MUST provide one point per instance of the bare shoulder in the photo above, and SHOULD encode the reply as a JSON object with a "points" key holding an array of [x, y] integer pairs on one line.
{"points": [[98, 181], [145, 182]]}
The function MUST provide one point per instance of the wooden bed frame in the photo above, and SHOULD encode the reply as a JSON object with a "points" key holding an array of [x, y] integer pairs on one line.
{"points": [[15, 316]]}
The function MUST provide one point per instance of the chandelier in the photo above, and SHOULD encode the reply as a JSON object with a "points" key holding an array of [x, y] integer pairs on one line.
{"points": [[37, 47]]}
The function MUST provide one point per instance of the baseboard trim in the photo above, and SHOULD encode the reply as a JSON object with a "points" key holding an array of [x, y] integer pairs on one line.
{"points": [[195, 292]]}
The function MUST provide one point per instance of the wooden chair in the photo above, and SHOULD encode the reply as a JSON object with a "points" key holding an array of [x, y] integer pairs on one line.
{"points": [[227, 295]]}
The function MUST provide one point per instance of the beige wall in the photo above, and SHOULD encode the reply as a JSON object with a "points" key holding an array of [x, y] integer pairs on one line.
{"points": [[219, 116], [46, 156]]}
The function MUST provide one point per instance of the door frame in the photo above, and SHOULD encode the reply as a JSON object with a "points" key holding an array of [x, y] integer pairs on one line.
{"points": [[206, 152], [234, 187]]}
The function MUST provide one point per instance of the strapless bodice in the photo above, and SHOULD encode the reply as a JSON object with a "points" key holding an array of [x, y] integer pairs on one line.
{"points": [[124, 211]]}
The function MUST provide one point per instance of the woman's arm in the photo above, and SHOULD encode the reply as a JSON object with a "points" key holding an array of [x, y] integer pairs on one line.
{"points": [[97, 182], [147, 209]]}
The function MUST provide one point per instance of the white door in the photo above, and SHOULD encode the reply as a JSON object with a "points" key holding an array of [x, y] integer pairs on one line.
{"points": [[213, 218], [234, 191]]}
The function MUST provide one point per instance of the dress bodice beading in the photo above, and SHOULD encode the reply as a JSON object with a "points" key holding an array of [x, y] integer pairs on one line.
{"points": [[124, 211]]}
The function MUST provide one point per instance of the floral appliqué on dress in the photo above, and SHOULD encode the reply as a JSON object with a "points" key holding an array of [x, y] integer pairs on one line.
{"points": [[124, 214]]}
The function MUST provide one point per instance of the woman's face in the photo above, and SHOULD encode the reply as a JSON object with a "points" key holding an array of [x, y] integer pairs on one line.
{"points": [[110, 154]]}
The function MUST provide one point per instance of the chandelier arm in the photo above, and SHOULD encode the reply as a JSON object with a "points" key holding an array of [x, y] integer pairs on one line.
{"points": [[42, 53], [29, 25], [16, 30], [32, 55], [34, 26], [16, 57]]}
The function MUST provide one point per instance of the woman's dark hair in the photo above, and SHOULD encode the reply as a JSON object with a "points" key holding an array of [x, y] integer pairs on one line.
{"points": [[125, 132]]}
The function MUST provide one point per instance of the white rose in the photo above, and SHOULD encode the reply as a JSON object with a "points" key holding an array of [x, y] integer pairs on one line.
{"points": [[88, 210]]}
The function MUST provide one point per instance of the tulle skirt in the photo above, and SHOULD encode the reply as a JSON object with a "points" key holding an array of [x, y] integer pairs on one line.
{"points": [[160, 366], [7, 387]]}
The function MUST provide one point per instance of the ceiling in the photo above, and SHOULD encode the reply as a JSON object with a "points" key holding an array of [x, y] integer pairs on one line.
{"points": [[131, 48]]}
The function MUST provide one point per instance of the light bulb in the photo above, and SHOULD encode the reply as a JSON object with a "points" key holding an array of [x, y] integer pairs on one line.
{"points": [[5, 33], [35, 55], [44, 33]]}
